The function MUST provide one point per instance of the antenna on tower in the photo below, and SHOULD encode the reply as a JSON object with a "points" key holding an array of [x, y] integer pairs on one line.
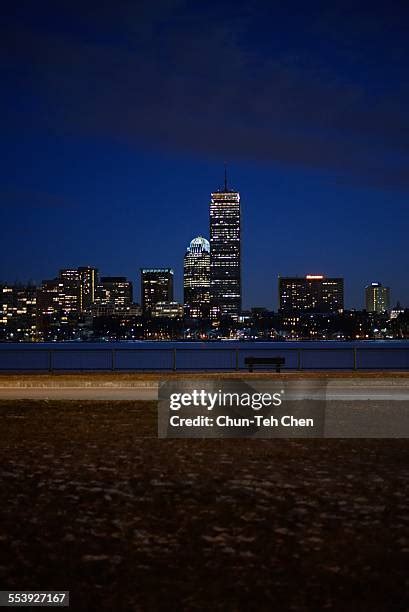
{"points": [[225, 176]]}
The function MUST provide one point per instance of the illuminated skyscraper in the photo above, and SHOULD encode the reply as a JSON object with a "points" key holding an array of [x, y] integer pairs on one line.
{"points": [[18, 312], [377, 298], [225, 263], [196, 278], [115, 291], [89, 280], [48, 304], [156, 286], [69, 286], [312, 293]]}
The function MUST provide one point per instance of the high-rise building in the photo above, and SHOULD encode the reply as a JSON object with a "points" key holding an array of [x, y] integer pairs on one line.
{"points": [[69, 290], [196, 278], [377, 298], [156, 286], [48, 297], [18, 312], [72, 293], [115, 291], [89, 279], [48, 304], [312, 293], [225, 261]]}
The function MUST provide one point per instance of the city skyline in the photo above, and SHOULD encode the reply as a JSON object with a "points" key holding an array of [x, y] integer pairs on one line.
{"points": [[353, 292], [204, 305], [80, 304], [175, 291], [218, 199], [111, 146]]}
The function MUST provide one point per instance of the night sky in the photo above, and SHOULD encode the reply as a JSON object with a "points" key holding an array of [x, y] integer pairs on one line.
{"points": [[117, 118]]}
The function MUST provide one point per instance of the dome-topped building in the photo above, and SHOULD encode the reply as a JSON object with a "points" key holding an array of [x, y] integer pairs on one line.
{"points": [[199, 245], [196, 278]]}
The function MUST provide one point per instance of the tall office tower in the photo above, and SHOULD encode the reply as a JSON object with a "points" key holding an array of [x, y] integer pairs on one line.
{"points": [[18, 312], [70, 290], [115, 291], [48, 303], [26, 302], [312, 293], [225, 263], [156, 286], [88, 279], [196, 278], [377, 298]]}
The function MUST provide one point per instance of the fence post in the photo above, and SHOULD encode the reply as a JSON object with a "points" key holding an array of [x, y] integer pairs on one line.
{"points": [[355, 358], [237, 359], [174, 360], [50, 360], [113, 359], [299, 359]]}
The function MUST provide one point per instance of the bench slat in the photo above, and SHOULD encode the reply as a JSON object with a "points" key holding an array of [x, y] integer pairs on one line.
{"points": [[277, 361], [264, 360]]}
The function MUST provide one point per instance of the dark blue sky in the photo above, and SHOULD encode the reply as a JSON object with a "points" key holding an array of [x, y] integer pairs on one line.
{"points": [[116, 119]]}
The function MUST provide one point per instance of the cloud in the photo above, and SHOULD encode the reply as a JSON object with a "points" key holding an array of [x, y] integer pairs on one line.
{"points": [[201, 80]]}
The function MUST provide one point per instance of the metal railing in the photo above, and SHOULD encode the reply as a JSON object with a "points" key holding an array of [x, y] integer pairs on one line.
{"points": [[204, 356]]}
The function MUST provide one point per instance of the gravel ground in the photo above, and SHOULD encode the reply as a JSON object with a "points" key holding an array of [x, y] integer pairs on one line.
{"points": [[92, 502]]}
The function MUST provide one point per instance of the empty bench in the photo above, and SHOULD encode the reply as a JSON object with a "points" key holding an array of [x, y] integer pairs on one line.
{"points": [[252, 361]]}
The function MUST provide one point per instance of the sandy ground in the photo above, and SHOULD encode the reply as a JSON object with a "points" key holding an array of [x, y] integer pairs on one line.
{"points": [[94, 503]]}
